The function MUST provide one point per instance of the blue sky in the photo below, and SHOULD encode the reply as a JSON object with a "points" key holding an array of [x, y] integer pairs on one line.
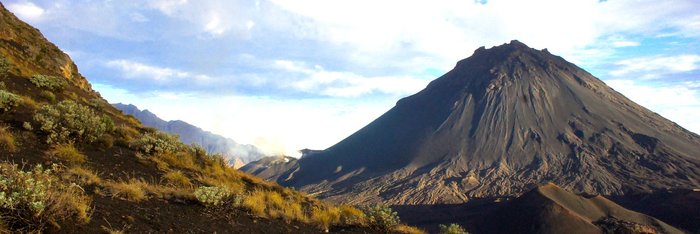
{"points": [[286, 75]]}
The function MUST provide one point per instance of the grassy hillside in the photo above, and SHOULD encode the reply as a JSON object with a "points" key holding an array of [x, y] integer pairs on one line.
{"points": [[70, 162]]}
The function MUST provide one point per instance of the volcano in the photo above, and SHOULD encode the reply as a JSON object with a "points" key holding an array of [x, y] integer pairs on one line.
{"points": [[502, 121]]}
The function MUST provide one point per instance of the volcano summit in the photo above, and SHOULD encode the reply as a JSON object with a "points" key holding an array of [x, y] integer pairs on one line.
{"points": [[502, 121]]}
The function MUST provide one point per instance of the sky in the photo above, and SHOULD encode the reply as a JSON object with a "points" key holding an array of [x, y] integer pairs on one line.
{"points": [[286, 75]]}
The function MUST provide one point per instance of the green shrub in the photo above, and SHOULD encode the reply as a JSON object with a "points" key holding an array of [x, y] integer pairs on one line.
{"points": [[54, 83], [48, 96], [381, 216], [158, 142], [68, 122], [29, 200], [211, 196], [453, 228], [9, 100]]}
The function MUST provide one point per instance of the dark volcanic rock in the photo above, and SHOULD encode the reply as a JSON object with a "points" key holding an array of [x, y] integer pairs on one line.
{"points": [[502, 121]]}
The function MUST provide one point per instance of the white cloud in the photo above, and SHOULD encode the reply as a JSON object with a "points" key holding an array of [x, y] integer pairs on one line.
{"points": [[316, 79], [654, 67], [136, 70], [679, 103], [26, 10]]}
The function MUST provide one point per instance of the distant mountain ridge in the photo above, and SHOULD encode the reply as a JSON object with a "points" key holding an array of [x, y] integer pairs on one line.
{"points": [[237, 154]]}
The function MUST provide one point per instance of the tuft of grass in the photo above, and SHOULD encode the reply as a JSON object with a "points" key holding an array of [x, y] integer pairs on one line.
{"points": [[177, 178], [125, 134], [131, 190], [350, 215], [106, 141], [66, 153], [7, 140], [324, 218], [255, 203], [48, 96], [83, 176], [29, 102], [182, 160]]}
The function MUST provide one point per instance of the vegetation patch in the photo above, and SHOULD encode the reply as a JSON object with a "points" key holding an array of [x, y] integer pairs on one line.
{"points": [[211, 196], [381, 216], [54, 83], [69, 122], [30, 200], [453, 228], [155, 142], [9, 100]]}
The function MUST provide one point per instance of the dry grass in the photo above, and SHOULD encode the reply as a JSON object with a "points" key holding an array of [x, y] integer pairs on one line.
{"points": [[324, 218], [83, 176], [131, 190], [182, 160], [404, 229], [177, 178], [255, 203], [350, 215], [29, 103], [7, 140], [66, 153], [125, 135]]}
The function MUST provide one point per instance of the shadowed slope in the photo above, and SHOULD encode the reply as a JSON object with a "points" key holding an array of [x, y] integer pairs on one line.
{"points": [[550, 209]]}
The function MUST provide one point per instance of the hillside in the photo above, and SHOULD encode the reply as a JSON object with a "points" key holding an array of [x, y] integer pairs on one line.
{"points": [[503, 120], [72, 163], [236, 154], [550, 209]]}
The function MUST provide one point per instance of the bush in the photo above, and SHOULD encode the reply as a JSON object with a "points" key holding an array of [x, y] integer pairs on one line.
{"points": [[158, 142], [48, 96], [69, 122], [381, 216], [177, 178], [30, 200], [54, 83], [211, 196], [9, 100], [453, 228], [66, 153], [7, 140]]}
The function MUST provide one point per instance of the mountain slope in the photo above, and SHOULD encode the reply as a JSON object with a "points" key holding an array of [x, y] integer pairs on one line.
{"points": [[550, 209], [72, 163], [502, 121], [190, 134]]}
